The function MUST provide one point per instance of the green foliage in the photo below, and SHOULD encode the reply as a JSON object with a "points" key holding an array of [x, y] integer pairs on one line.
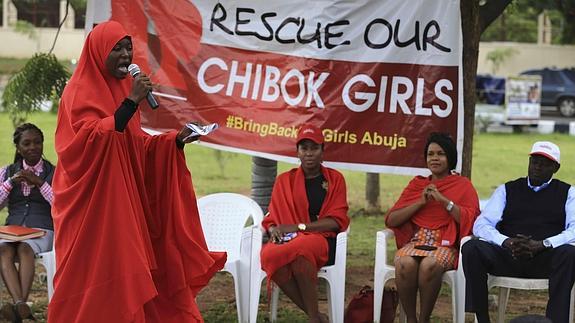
{"points": [[78, 5], [26, 28], [560, 28], [566, 8], [42, 79], [518, 23], [498, 56], [515, 24]]}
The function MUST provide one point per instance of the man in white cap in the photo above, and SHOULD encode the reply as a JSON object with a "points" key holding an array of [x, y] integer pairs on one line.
{"points": [[525, 231]]}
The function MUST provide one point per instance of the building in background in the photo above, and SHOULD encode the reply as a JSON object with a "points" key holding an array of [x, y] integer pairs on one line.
{"points": [[33, 26]]}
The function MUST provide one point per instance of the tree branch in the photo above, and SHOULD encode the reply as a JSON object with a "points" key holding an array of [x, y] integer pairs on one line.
{"points": [[470, 30], [60, 27], [490, 11]]}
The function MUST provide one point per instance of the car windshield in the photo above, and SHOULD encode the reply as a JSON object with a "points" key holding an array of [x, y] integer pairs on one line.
{"points": [[570, 75]]}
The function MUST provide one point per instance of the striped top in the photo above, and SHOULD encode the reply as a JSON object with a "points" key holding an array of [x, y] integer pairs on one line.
{"points": [[6, 187]]}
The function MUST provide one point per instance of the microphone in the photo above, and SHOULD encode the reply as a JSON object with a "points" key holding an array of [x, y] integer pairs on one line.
{"points": [[134, 70]]}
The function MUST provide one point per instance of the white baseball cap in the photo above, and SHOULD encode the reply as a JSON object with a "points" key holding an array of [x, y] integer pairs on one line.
{"points": [[547, 149]]}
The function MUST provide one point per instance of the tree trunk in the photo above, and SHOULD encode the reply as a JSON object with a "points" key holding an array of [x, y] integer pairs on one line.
{"points": [[474, 20], [372, 193], [471, 32], [264, 173]]}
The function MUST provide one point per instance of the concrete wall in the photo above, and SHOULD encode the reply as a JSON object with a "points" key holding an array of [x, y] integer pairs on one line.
{"points": [[527, 56], [19, 45], [68, 46]]}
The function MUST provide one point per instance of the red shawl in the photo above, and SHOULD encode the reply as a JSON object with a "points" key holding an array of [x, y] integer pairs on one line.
{"points": [[433, 215], [129, 245], [289, 203]]}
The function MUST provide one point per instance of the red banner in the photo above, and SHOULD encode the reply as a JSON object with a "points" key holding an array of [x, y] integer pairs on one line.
{"points": [[378, 76]]}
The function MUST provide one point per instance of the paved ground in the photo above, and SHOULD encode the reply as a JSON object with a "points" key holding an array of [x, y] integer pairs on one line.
{"points": [[551, 113], [491, 118]]}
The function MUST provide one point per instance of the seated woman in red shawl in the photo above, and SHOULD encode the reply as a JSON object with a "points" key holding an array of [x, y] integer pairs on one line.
{"points": [[129, 243], [307, 210], [429, 219]]}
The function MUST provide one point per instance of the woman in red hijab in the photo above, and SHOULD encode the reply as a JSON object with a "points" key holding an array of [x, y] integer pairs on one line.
{"points": [[307, 210], [429, 219], [129, 244]]}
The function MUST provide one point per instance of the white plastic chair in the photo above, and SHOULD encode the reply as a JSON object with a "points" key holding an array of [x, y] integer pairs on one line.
{"points": [[384, 272], [334, 275], [505, 284], [223, 217], [48, 260]]}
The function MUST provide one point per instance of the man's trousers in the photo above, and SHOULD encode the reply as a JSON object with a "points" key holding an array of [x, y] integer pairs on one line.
{"points": [[557, 264]]}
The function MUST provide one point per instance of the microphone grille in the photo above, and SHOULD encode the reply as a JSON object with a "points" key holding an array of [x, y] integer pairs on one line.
{"points": [[134, 70]]}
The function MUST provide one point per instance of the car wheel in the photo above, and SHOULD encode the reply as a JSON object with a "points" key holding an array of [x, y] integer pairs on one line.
{"points": [[566, 107]]}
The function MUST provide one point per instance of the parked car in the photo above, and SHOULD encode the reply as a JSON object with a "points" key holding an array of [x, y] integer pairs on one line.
{"points": [[557, 88]]}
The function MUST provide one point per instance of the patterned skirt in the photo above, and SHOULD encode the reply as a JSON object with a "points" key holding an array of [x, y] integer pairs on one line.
{"points": [[445, 256]]}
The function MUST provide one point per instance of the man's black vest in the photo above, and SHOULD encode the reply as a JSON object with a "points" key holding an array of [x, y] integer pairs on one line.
{"points": [[536, 214], [33, 210]]}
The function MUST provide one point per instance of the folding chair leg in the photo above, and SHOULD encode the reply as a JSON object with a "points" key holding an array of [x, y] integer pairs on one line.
{"points": [[239, 299], [255, 291], [503, 298], [330, 303], [337, 303], [454, 308], [50, 272], [274, 305], [377, 296]]}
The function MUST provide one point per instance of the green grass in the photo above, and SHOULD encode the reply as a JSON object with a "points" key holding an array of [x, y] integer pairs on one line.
{"points": [[496, 159], [500, 157], [11, 65], [361, 240]]}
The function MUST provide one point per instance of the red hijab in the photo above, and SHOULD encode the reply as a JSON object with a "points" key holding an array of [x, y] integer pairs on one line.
{"points": [[129, 243], [92, 93]]}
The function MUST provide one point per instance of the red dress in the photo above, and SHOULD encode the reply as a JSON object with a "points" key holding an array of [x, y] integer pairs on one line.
{"points": [[433, 215], [129, 244], [289, 205]]}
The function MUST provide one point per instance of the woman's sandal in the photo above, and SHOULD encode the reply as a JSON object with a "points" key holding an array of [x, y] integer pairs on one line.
{"points": [[323, 318], [23, 311], [7, 313]]}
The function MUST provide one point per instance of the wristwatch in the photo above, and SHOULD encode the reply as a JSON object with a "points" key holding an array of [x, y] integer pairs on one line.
{"points": [[547, 243], [449, 206], [301, 227]]}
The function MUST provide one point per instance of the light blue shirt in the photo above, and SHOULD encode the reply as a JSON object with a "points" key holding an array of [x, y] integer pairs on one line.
{"points": [[484, 226]]}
